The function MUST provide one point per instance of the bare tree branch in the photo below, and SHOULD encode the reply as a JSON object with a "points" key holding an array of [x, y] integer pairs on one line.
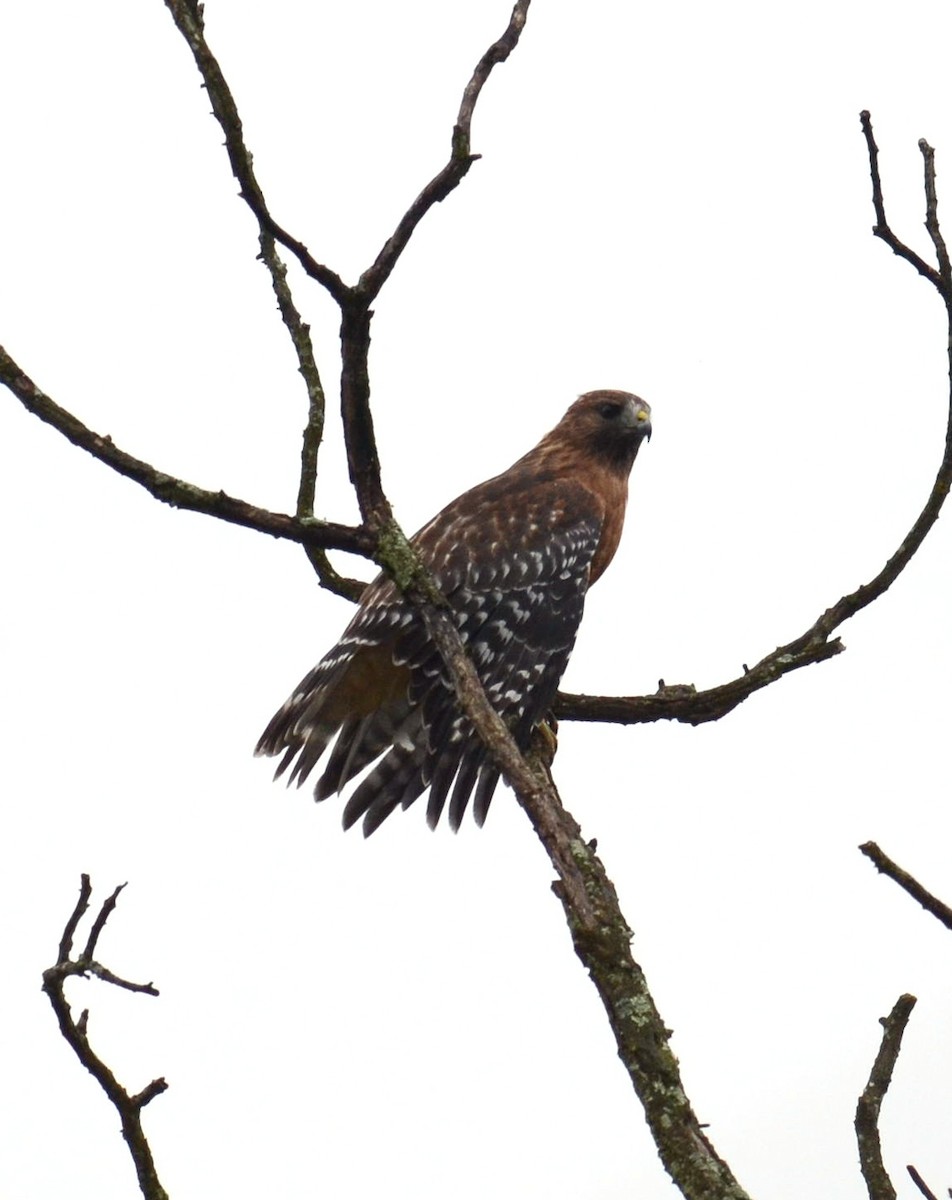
{"points": [[355, 302], [683, 702], [884, 864], [362, 458], [457, 166], [932, 218], [177, 492], [187, 15], [878, 1183], [129, 1107], [881, 229], [600, 934], [640, 1034], [694, 707]]}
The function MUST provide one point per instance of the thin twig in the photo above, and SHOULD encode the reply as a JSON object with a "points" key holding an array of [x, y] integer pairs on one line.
{"points": [[177, 492], [883, 863], [82, 904], [881, 229], [921, 1183], [683, 702], [75, 1031], [109, 905], [878, 1183], [459, 162], [932, 217]]}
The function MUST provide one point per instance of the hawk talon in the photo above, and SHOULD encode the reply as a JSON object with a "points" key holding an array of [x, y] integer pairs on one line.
{"points": [[545, 740]]}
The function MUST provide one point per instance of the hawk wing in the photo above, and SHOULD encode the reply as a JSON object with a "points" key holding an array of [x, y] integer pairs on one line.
{"points": [[514, 564]]}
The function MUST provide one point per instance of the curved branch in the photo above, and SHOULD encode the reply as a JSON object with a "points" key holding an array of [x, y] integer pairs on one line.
{"points": [[177, 492], [129, 1107], [878, 1183], [685, 702]]}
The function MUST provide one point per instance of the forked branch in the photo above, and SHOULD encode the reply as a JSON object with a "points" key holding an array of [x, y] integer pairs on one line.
{"points": [[75, 1031]]}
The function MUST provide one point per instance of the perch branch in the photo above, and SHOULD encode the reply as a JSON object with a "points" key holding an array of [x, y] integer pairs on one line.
{"points": [[932, 218], [129, 1107], [885, 865], [878, 1183], [600, 934]]}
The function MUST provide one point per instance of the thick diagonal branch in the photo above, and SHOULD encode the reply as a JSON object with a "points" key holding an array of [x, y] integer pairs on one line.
{"points": [[600, 934], [189, 20]]}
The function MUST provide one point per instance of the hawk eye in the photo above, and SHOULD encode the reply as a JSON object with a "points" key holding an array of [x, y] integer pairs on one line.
{"points": [[610, 409]]}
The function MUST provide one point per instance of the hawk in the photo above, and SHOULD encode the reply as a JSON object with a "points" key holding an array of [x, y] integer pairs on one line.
{"points": [[514, 557]]}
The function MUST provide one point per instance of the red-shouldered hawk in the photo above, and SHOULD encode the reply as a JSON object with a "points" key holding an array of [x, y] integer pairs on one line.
{"points": [[514, 557]]}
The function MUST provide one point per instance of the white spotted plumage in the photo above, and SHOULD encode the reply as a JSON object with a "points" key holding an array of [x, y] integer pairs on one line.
{"points": [[514, 557]]}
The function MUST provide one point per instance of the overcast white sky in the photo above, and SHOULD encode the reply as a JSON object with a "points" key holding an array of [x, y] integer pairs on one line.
{"points": [[673, 199]]}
